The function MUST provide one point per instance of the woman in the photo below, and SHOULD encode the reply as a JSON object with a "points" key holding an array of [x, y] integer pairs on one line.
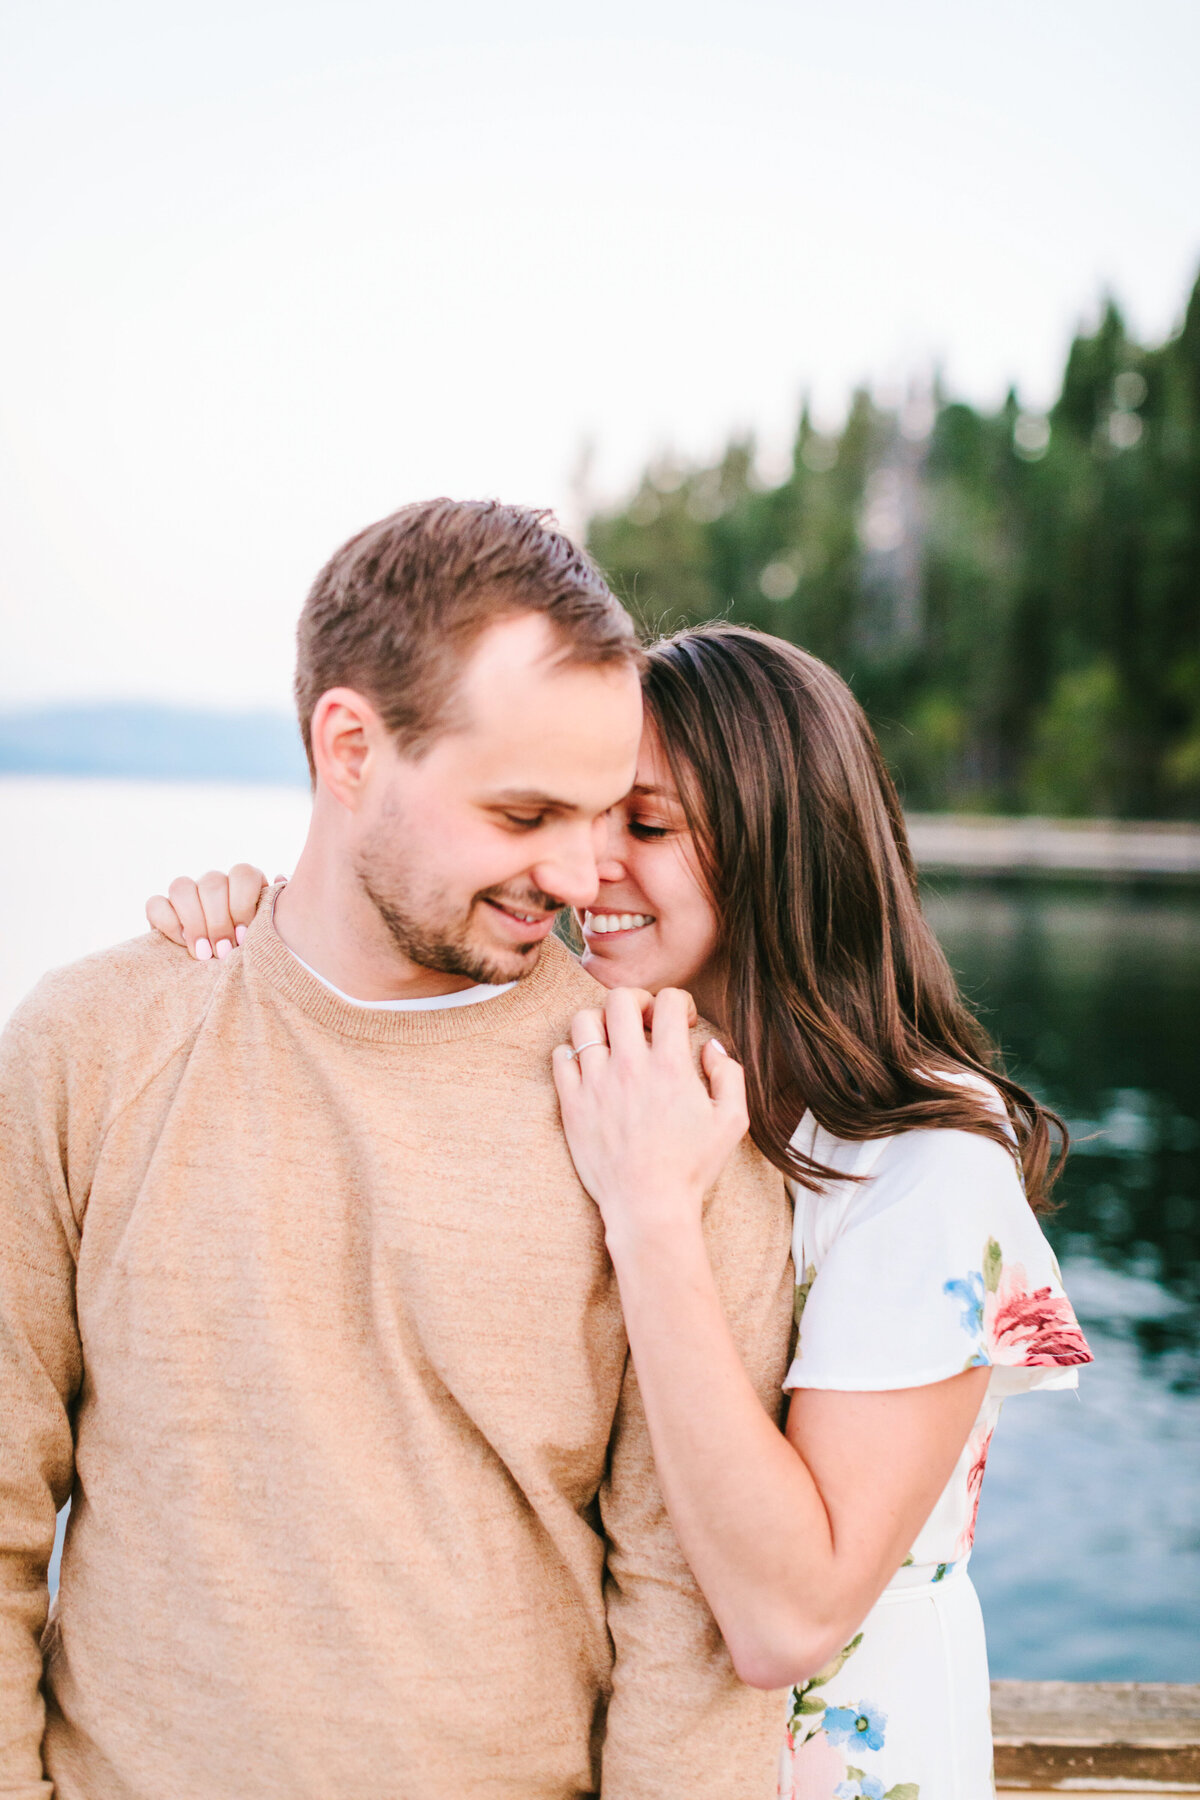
{"points": [[760, 862]]}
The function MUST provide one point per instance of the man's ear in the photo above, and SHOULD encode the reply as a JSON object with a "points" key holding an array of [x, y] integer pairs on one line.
{"points": [[345, 732]]}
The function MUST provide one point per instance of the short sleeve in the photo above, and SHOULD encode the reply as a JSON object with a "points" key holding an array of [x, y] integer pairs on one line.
{"points": [[936, 1265]]}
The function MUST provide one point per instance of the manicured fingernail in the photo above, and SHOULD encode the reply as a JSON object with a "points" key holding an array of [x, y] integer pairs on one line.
{"points": [[718, 1045], [203, 949], [240, 934], [224, 946]]}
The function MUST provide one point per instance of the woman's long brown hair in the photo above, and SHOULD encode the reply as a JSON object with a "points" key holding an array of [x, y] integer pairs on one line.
{"points": [[838, 997]]}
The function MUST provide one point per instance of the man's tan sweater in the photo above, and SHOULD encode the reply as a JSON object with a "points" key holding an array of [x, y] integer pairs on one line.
{"points": [[305, 1308]]}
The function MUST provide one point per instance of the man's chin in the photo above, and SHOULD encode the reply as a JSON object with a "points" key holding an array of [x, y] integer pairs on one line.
{"points": [[495, 965]]}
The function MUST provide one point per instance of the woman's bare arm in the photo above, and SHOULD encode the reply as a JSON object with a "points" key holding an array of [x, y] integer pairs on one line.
{"points": [[791, 1537]]}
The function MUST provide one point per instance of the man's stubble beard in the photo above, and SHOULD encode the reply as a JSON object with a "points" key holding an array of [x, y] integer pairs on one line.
{"points": [[424, 929]]}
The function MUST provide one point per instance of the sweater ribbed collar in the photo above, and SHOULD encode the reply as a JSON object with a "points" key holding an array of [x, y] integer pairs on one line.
{"points": [[268, 956]]}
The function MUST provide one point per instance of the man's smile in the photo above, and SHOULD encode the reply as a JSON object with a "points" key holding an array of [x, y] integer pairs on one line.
{"points": [[527, 926]]}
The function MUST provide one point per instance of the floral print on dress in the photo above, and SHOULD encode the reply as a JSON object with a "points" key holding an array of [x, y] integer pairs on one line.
{"points": [[926, 1258], [978, 1447], [862, 1725], [803, 1289], [970, 1293], [814, 1764], [1011, 1324], [1031, 1328], [861, 1786]]}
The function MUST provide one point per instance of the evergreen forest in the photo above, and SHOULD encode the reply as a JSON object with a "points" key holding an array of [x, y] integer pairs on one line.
{"points": [[1014, 597]]}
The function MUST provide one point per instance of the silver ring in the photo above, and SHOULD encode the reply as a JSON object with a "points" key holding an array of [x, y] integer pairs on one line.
{"points": [[592, 1044]]}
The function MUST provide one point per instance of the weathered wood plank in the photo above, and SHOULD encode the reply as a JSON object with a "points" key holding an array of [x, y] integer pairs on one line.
{"points": [[1097, 1712], [1106, 847], [1059, 1734]]}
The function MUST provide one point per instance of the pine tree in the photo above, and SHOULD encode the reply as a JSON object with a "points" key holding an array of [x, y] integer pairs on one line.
{"points": [[1016, 599]]}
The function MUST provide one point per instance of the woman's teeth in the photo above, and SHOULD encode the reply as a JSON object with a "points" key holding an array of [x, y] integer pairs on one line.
{"points": [[602, 922]]}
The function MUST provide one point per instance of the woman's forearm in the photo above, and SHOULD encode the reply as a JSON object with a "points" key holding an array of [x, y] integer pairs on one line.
{"points": [[748, 1513], [791, 1537]]}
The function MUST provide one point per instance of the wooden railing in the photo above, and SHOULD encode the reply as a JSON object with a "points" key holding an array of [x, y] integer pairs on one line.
{"points": [[1113, 848], [1096, 1738]]}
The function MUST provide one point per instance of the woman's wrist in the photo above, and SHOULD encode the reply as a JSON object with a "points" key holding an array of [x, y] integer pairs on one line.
{"points": [[657, 1242]]}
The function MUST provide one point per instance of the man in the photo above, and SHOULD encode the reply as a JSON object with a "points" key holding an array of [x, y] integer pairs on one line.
{"points": [[301, 1301]]}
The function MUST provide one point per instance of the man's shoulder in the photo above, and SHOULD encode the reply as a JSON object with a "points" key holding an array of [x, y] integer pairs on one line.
{"points": [[545, 1002], [126, 1003], [565, 985], [565, 988]]}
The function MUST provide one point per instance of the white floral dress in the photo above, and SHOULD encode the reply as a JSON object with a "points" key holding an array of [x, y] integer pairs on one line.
{"points": [[934, 1265]]}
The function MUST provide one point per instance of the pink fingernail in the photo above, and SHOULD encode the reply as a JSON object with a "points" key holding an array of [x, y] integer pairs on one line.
{"points": [[203, 949], [240, 934], [224, 946], [718, 1045]]}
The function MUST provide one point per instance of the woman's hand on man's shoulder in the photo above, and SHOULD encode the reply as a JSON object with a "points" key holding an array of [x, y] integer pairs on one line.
{"points": [[649, 1134], [208, 918]]}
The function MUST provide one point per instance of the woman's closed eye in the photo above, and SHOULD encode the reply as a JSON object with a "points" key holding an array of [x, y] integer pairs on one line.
{"points": [[648, 833]]}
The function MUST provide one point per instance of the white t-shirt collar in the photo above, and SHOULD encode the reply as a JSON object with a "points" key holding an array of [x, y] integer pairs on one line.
{"points": [[428, 1003]]}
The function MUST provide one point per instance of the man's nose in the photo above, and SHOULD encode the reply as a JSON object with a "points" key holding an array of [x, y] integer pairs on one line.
{"points": [[571, 875]]}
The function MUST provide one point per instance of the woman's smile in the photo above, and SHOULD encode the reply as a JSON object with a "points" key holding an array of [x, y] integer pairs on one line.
{"points": [[652, 924], [607, 924]]}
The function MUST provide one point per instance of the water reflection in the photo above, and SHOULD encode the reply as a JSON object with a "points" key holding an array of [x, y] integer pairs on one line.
{"points": [[1088, 1558], [1096, 999]]}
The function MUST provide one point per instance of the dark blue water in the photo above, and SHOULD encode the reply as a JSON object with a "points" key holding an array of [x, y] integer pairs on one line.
{"points": [[1087, 1558]]}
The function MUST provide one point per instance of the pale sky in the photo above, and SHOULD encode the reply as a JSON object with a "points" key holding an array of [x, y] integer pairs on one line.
{"points": [[275, 269]]}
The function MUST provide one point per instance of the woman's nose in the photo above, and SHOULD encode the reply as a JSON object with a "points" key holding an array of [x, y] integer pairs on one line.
{"points": [[610, 864]]}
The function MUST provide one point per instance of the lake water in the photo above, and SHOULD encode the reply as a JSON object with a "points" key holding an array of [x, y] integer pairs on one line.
{"points": [[1088, 1553]]}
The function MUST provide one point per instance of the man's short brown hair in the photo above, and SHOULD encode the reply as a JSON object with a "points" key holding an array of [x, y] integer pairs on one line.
{"points": [[395, 612]]}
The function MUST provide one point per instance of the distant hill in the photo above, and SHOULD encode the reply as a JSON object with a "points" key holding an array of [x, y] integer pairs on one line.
{"points": [[164, 743]]}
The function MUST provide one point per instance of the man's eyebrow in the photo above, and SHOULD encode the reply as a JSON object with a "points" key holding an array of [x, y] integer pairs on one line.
{"points": [[530, 797]]}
